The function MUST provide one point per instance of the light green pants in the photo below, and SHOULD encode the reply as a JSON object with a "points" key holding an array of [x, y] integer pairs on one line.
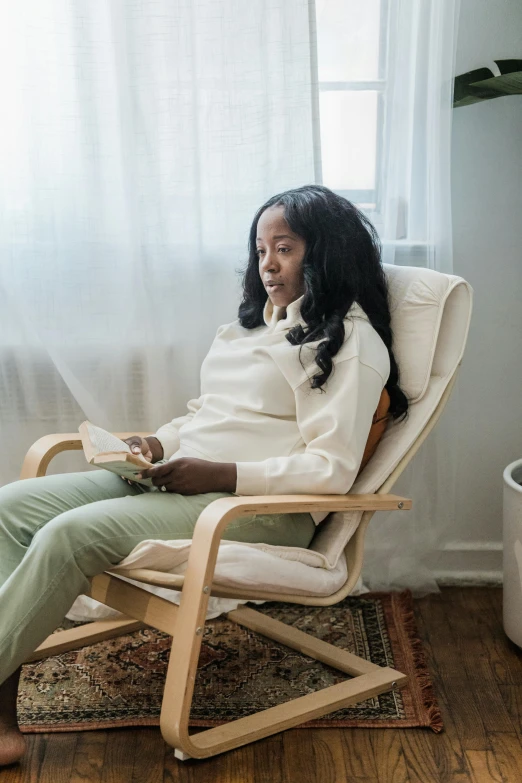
{"points": [[58, 531]]}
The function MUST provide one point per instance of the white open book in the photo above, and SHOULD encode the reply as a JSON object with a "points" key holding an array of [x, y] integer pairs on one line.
{"points": [[105, 450]]}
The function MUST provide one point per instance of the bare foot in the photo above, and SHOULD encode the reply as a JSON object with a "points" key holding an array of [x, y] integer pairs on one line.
{"points": [[12, 742], [12, 745]]}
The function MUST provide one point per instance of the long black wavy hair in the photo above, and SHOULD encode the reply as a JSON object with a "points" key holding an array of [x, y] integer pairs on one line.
{"points": [[341, 265]]}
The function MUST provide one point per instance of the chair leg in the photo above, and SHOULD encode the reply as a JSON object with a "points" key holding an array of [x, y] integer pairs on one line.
{"points": [[301, 641], [369, 680], [82, 635]]}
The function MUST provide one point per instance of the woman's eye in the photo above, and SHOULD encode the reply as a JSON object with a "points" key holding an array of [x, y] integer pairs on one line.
{"points": [[261, 252]]}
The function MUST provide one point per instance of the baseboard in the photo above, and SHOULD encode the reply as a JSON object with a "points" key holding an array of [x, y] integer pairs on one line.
{"points": [[468, 578], [468, 563]]}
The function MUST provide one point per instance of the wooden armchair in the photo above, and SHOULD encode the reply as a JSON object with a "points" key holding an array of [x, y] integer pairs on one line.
{"points": [[430, 320]]}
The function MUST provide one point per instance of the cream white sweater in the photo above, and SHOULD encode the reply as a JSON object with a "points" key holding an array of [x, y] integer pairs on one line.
{"points": [[257, 409]]}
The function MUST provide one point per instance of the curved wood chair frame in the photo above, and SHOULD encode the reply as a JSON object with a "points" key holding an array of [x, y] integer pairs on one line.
{"points": [[186, 622]]}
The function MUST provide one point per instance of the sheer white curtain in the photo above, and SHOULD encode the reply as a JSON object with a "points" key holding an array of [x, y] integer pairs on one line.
{"points": [[414, 216], [414, 221], [137, 141]]}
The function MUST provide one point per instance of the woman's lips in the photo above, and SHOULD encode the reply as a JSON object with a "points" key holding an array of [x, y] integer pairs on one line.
{"points": [[273, 286]]}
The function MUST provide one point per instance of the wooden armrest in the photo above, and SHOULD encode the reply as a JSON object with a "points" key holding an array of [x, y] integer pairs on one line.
{"points": [[277, 504], [225, 509], [43, 450], [216, 516]]}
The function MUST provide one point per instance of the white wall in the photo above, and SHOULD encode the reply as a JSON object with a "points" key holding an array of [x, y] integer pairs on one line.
{"points": [[487, 226]]}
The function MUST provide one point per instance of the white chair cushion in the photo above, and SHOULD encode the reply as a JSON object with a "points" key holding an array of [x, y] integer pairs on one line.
{"points": [[417, 299]]}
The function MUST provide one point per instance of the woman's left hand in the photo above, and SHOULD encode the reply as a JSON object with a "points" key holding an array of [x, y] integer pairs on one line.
{"points": [[190, 476]]}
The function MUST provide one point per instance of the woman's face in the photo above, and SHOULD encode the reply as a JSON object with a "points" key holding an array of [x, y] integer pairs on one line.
{"points": [[280, 254]]}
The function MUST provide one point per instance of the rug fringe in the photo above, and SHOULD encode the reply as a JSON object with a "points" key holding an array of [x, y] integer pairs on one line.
{"points": [[405, 600]]}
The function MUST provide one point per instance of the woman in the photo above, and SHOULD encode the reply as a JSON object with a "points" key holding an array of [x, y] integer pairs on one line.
{"points": [[288, 392]]}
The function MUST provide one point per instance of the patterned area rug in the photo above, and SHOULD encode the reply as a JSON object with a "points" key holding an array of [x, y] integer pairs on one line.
{"points": [[120, 682]]}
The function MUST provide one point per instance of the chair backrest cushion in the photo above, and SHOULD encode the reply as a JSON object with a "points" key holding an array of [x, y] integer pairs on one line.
{"points": [[417, 298]]}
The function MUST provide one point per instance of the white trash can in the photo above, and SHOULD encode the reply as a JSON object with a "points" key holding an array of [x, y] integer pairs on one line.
{"points": [[513, 551]]}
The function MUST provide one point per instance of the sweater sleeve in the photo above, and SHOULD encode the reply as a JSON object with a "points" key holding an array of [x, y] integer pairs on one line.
{"points": [[334, 426], [168, 434]]}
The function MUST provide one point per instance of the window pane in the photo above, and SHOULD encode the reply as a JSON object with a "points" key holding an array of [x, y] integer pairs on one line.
{"points": [[348, 139], [348, 34]]}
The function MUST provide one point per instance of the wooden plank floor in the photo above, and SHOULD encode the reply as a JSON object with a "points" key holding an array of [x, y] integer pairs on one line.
{"points": [[478, 679]]}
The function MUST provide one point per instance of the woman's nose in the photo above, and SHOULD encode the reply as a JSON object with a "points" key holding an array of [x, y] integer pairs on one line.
{"points": [[269, 262]]}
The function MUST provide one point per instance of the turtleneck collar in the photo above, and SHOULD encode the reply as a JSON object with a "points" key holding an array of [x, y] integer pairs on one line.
{"points": [[279, 318], [283, 317]]}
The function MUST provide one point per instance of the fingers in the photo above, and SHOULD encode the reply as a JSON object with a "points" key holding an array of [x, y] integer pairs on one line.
{"points": [[162, 481], [157, 472], [161, 476]]}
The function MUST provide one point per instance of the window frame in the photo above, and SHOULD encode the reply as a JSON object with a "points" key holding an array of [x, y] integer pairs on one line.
{"points": [[369, 201]]}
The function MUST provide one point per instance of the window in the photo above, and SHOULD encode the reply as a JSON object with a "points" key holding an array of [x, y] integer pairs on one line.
{"points": [[351, 68]]}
